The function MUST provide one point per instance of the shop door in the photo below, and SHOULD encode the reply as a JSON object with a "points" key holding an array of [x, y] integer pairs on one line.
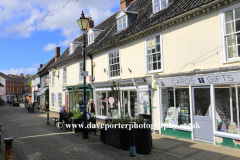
{"points": [[202, 115]]}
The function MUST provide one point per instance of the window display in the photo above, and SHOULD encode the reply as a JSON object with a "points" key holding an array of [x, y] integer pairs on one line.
{"points": [[134, 105], [143, 99], [125, 103], [178, 112], [113, 107], [226, 109]]}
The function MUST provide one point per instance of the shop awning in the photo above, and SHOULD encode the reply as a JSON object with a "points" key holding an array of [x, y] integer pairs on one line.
{"points": [[42, 91]]}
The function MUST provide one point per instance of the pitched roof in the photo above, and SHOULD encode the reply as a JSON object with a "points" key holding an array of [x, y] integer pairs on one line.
{"points": [[143, 21], [44, 69], [16, 79], [1, 85]]}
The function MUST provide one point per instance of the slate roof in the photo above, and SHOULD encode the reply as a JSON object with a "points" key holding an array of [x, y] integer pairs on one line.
{"points": [[17, 79], [144, 20], [44, 69], [1, 85]]}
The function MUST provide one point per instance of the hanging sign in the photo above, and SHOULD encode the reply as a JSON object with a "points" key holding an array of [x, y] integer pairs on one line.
{"points": [[230, 77], [84, 73]]}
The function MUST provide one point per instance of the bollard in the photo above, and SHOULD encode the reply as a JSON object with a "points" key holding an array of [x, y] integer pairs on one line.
{"points": [[0, 134], [8, 148], [48, 117], [132, 142]]}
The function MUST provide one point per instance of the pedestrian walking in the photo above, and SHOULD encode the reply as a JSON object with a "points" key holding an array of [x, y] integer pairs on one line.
{"points": [[91, 107], [26, 103]]}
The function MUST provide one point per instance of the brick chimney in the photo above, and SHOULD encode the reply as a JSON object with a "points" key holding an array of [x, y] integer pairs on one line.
{"points": [[27, 76], [125, 3], [21, 75], [57, 53], [40, 66], [90, 24]]}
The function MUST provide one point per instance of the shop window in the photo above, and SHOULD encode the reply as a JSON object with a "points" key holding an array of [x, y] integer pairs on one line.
{"points": [[102, 106], [133, 104], [144, 104], [114, 64], [175, 106], [52, 100], [154, 54], [230, 19], [226, 109], [113, 107]]}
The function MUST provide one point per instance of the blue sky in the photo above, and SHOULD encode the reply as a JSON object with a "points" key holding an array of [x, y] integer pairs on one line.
{"points": [[25, 52]]}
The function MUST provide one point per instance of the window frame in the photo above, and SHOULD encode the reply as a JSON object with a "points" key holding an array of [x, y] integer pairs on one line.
{"points": [[167, 5], [146, 54], [223, 36], [63, 75], [59, 100], [90, 37], [71, 48], [121, 18], [109, 76], [80, 78], [52, 100]]}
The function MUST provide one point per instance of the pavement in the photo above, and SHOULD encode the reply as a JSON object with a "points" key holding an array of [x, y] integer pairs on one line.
{"points": [[35, 140]]}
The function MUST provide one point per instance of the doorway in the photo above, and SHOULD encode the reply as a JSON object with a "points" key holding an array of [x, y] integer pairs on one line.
{"points": [[202, 114]]}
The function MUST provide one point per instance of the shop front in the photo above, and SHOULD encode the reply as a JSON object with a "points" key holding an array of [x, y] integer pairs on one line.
{"points": [[43, 96], [201, 107], [74, 98], [134, 99]]}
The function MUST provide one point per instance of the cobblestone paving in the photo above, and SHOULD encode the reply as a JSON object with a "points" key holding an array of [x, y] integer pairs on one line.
{"points": [[35, 140]]}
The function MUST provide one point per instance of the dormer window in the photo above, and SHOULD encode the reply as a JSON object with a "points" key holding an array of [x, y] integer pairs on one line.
{"points": [[125, 18], [160, 4], [73, 46], [93, 34]]}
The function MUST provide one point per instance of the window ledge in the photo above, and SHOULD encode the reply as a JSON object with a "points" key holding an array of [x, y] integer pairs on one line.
{"points": [[176, 127], [119, 77], [227, 135], [232, 60], [155, 71]]}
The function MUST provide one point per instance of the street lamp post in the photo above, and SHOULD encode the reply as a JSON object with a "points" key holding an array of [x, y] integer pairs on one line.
{"points": [[83, 24]]}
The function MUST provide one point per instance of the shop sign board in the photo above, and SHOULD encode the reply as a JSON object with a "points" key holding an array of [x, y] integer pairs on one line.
{"points": [[201, 79], [84, 73], [35, 88]]}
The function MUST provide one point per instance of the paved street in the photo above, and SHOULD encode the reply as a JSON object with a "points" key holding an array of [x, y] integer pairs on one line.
{"points": [[35, 140]]}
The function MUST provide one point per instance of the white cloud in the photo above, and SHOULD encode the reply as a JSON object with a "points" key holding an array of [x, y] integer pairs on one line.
{"points": [[49, 47], [19, 71], [16, 15]]}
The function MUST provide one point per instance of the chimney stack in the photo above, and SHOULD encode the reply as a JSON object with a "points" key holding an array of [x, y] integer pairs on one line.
{"points": [[90, 24], [125, 3], [27, 76], [57, 53], [21, 75]]}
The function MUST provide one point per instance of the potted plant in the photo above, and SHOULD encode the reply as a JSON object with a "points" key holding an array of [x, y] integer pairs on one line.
{"points": [[77, 119], [68, 119]]}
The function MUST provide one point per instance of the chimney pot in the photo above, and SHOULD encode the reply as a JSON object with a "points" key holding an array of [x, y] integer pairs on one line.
{"points": [[125, 3], [90, 24]]}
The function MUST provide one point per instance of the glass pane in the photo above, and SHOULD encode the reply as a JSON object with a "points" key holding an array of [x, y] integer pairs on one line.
{"points": [[110, 55], [114, 75], [155, 66], [229, 16], [150, 66], [159, 65], [149, 51], [104, 104], [238, 38], [168, 109], [115, 54], [157, 39], [182, 106], [158, 57], [237, 25], [229, 28], [231, 40], [119, 72], [232, 52], [163, 4], [99, 98], [158, 48], [226, 111], [153, 50], [113, 107], [133, 103], [117, 59], [202, 102], [125, 103], [237, 13], [238, 51], [154, 58], [124, 25], [143, 99]]}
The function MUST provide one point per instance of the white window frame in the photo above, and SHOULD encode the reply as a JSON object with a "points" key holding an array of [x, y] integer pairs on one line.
{"points": [[59, 101], [121, 19], [146, 54], [71, 48], [52, 100], [223, 41], [64, 75], [160, 7], [109, 76], [91, 37], [79, 72]]}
